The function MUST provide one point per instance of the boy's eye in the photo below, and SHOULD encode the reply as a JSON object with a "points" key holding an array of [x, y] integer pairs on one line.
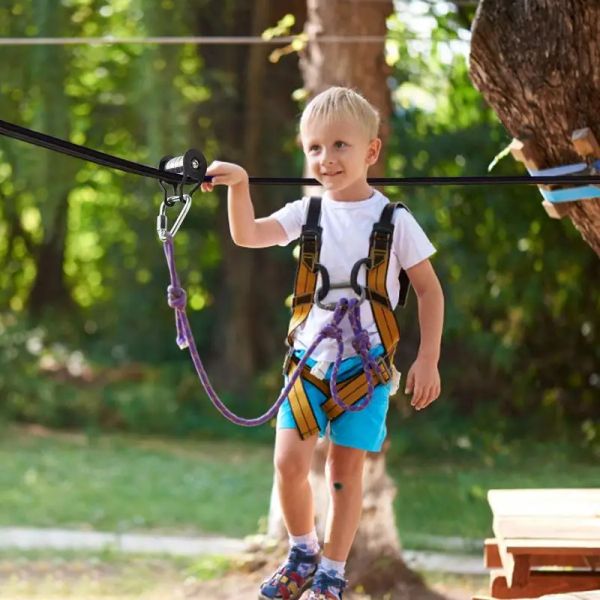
{"points": [[313, 148], [340, 144]]}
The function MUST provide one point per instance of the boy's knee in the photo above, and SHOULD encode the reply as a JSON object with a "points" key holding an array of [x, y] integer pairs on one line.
{"points": [[343, 473], [290, 467]]}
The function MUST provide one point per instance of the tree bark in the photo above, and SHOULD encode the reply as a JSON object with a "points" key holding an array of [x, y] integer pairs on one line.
{"points": [[375, 561], [536, 64]]}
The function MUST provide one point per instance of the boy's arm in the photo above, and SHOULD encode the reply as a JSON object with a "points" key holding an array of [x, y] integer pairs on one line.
{"points": [[245, 229], [423, 379]]}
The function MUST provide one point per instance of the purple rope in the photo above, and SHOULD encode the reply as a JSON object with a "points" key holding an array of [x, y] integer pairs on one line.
{"points": [[177, 299], [362, 345]]}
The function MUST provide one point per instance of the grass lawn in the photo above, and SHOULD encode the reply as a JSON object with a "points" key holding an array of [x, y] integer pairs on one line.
{"points": [[134, 483]]}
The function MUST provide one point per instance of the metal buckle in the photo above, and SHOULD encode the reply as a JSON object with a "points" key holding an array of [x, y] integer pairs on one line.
{"points": [[381, 368]]}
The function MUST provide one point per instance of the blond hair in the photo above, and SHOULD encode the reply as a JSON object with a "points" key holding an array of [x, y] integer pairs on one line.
{"points": [[338, 103]]}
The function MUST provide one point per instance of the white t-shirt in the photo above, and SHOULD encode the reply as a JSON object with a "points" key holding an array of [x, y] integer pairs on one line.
{"points": [[347, 228]]}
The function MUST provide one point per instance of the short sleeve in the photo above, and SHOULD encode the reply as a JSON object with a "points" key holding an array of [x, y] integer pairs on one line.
{"points": [[291, 218], [411, 243]]}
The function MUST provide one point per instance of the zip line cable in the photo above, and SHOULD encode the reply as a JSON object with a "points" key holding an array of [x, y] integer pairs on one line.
{"points": [[208, 40], [114, 162], [202, 40]]}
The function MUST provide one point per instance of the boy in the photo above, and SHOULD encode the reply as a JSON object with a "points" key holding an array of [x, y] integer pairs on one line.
{"points": [[338, 129]]}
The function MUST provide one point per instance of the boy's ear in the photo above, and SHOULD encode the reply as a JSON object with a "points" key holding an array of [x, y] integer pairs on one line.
{"points": [[373, 151]]}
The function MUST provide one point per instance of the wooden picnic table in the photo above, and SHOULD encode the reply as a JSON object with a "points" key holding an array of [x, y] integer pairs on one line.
{"points": [[547, 541]]}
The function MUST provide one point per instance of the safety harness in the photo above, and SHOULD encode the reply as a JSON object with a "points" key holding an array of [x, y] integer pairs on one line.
{"points": [[375, 291]]}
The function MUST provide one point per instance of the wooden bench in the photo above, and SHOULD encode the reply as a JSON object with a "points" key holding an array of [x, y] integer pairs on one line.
{"points": [[546, 542]]}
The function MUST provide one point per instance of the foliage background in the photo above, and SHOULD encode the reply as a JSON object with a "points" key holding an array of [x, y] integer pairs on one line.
{"points": [[87, 340]]}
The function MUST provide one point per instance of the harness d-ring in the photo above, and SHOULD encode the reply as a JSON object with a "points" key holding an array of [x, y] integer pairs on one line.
{"points": [[353, 284]]}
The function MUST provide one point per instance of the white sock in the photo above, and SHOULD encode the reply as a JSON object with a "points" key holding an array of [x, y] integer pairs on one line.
{"points": [[335, 568], [308, 542]]}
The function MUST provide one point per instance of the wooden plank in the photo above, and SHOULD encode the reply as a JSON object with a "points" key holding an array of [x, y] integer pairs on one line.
{"points": [[585, 143], [566, 546], [554, 546], [565, 528], [545, 582], [526, 151], [583, 502], [593, 595], [491, 554], [542, 553], [515, 566]]}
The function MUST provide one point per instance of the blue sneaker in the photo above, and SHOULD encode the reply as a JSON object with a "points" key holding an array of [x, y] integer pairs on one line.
{"points": [[291, 580], [327, 587]]}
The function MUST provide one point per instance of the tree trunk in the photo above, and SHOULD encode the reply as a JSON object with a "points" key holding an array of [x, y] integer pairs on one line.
{"points": [[536, 64], [356, 65], [49, 289], [56, 173], [375, 562], [248, 128]]}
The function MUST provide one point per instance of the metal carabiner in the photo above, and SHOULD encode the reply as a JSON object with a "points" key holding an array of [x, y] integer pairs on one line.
{"points": [[161, 221], [338, 286]]}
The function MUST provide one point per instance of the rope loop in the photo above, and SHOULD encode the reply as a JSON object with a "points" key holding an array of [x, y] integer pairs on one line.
{"points": [[177, 300]]}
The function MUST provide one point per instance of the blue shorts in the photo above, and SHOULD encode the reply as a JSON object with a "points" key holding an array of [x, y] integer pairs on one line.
{"points": [[364, 429]]}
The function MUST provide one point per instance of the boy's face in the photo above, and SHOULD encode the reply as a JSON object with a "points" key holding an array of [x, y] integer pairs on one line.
{"points": [[338, 155]]}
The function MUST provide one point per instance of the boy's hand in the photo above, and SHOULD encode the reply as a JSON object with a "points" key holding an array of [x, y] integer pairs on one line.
{"points": [[223, 173], [423, 382]]}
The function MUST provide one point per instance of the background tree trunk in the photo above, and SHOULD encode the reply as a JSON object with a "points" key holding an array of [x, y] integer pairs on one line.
{"points": [[375, 560], [250, 292], [56, 173], [536, 64]]}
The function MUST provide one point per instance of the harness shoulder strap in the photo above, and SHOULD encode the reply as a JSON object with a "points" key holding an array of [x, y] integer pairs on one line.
{"points": [[306, 273], [313, 217], [403, 276], [380, 247], [385, 227]]}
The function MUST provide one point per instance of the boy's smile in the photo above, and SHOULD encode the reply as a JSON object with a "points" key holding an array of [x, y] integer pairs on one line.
{"points": [[339, 154]]}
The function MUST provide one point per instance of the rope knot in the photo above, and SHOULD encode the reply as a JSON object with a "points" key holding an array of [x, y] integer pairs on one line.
{"points": [[361, 342], [177, 297]]}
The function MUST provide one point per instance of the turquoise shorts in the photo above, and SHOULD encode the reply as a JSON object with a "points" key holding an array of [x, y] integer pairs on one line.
{"points": [[364, 429]]}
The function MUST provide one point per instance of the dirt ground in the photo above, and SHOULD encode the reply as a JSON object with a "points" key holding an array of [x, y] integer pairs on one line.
{"points": [[244, 585], [236, 587], [160, 579]]}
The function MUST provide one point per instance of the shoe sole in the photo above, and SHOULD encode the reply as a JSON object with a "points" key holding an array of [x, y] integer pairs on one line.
{"points": [[296, 596]]}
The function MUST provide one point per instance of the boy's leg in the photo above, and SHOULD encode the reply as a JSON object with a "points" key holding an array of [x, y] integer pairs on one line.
{"points": [[292, 460], [344, 471]]}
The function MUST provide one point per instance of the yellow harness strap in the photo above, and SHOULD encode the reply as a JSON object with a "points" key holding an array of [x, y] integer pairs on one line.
{"points": [[377, 270], [306, 274]]}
